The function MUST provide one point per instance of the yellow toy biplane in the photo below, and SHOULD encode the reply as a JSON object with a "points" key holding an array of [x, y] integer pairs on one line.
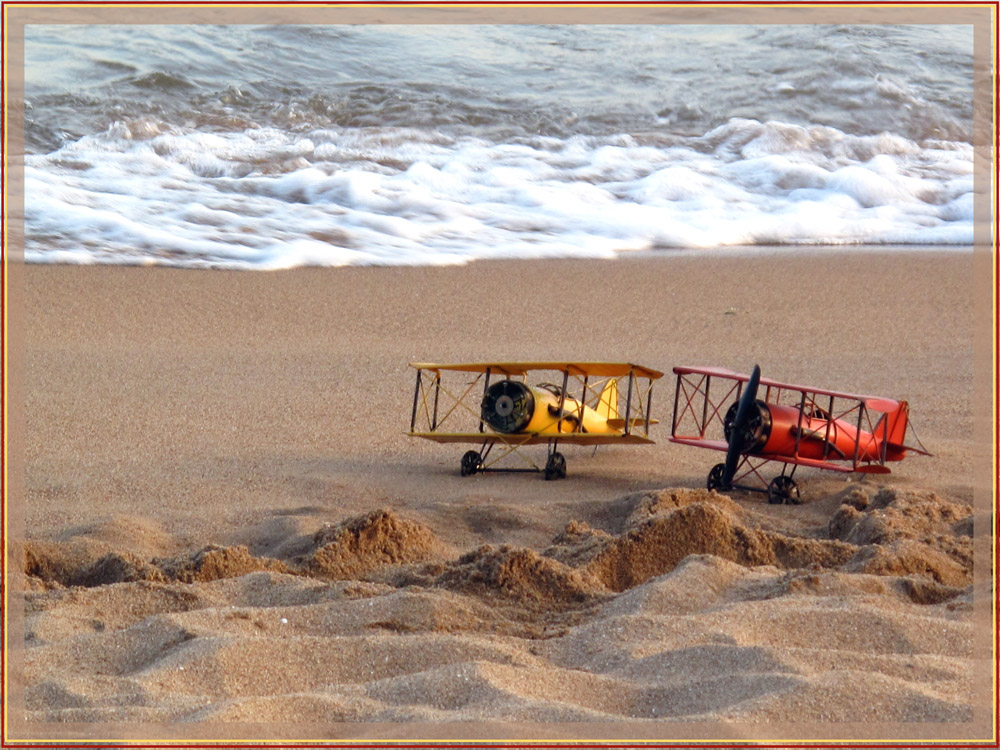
{"points": [[586, 408]]}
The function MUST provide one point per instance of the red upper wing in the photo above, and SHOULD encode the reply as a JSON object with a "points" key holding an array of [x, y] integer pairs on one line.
{"points": [[875, 403]]}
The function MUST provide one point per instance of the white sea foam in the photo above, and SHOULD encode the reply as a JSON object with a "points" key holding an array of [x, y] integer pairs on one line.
{"points": [[266, 198]]}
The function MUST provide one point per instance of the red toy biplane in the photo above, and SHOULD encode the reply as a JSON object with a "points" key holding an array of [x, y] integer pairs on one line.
{"points": [[791, 424]]}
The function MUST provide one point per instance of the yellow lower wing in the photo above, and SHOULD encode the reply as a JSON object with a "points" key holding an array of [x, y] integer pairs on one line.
{"points": [[527, 438]]}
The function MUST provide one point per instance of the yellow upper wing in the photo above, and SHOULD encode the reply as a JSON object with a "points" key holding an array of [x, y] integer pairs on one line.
{"points": [[597, 369]]}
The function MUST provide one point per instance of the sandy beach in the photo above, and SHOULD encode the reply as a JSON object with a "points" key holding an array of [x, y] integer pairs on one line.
{"points": [[228, 533]]}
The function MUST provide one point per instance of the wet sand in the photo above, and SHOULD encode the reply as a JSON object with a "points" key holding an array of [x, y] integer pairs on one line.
{"points": [[226, 523]]}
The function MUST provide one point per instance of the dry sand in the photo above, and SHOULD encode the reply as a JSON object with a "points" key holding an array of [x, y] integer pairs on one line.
{"points": [[226, 526]]}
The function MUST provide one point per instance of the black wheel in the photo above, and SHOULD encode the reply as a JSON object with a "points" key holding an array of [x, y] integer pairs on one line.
{"points": [[471, 463], [783, 490], [555, 467], [715, 477]]}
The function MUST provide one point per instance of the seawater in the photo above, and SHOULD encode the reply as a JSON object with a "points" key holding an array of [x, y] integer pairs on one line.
{"points": [[265, 147]]}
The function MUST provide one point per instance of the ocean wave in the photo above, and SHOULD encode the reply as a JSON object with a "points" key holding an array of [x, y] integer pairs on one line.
{"points": [[265, 198]]}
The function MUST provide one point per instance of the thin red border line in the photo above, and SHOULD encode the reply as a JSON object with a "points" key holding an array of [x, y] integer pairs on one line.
{"points": [[914, 4], [401, 3], [995, 371], [996, 381], [416, 744], [4, 321]]}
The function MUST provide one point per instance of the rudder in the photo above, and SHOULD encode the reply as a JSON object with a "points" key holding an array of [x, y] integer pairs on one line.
{"points": [[898, 420], [607, 404]]}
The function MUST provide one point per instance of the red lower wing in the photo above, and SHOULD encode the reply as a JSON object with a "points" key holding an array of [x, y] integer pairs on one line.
{"points": [[720, 445]]}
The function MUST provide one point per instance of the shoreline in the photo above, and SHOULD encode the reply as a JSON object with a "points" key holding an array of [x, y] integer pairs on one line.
{"points": [[804, 251]]}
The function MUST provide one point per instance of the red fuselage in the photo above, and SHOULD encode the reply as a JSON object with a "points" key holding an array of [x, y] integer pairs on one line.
{"points": [[786, 431]]}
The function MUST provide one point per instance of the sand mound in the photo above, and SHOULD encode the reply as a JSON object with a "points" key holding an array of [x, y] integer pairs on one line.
{"points": [[578, 544], [80, 564], [363, 545], [907, 532], [519, 573], [43, 562], [894, 514], [63, 564], [215, 562], [118, 568], [112, 550], [908, 557], [618, 515], [658, 502], [656, 545]]}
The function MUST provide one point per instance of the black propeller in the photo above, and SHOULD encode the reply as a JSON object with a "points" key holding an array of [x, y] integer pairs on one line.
{"points": [[738, 433]]}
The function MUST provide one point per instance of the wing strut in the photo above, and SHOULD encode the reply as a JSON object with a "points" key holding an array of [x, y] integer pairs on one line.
{"points": [[416, 395], [437, 393], [829, 424], [857, 436], [628, 403], [649, 406], [562, 400], [486, 387], [798, 424], [704, 404]]}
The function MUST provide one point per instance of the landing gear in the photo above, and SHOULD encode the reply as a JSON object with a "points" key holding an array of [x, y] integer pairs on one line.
{"points": [[715, 477], [471, 463], [555, 467], [783, 490], [479, 462]]}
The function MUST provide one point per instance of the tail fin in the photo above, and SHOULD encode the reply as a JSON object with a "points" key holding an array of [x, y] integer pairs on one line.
{"points": [[607, 405], [898, 421]]}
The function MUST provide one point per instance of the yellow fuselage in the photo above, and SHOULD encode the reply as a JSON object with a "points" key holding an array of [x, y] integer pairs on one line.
{"points": [[546, 418], [546, 421]]}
